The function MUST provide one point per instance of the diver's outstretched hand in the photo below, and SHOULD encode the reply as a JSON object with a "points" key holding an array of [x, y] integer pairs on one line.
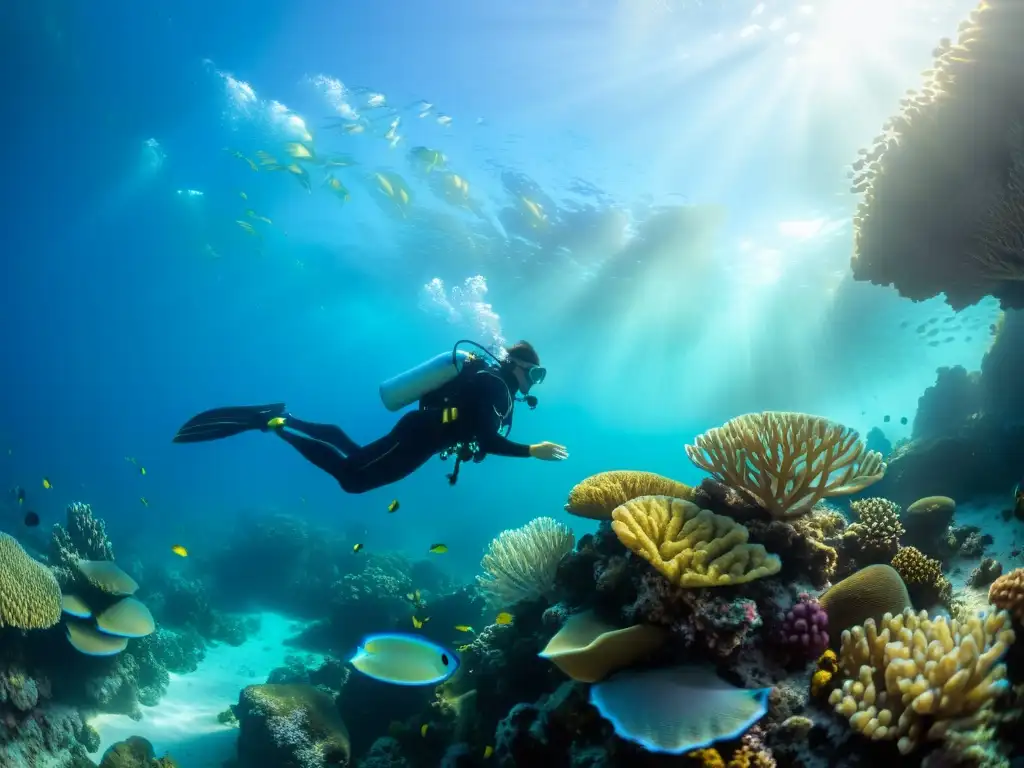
{"points": [[549, 451]]}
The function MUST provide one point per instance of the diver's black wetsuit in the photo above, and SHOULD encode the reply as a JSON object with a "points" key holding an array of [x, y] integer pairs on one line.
{"points": [[481, 405]]}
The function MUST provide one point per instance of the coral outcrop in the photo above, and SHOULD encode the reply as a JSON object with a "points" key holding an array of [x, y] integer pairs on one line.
{"points": [[875, 537], [29, 594], [869, 593], [923, 576], [135, 752], [598, 495], [82, 537], [288, 726], [911, 678]]}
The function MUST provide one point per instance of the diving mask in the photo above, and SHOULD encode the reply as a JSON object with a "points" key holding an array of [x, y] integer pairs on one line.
{"points": [[536, 374]]}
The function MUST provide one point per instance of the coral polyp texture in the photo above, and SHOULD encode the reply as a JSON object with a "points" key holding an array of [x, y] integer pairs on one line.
{"points": [[597, 496], [911, 678], [943, 184], [1007, 592], [787, 462], [29, 594], [520, 564], [690, 546], [875, 537], [803, 629], [923, 576]]}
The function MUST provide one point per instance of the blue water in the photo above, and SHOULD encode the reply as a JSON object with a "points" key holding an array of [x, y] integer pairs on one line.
{"points": [[119, 324]]}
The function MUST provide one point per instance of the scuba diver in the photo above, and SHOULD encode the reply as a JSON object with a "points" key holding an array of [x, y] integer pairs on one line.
{"points": [[465, 411]]}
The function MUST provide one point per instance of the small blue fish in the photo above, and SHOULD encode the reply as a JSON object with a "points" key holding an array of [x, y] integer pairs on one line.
{"points": [[402, 659]]}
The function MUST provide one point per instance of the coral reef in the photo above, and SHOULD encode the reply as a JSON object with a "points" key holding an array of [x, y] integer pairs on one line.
{"points": [[690, 546], [911, 678], [520, 564], [184, 604], [82, 537], [915, 175], [786, 462], [952, 400], [926, 522], [135, 752], [875, 537], [923, 577], [287, 726], [987, 571], [1007, 593]]}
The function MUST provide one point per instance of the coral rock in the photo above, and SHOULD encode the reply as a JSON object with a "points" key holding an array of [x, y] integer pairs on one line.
{"points": [[598, 495]]}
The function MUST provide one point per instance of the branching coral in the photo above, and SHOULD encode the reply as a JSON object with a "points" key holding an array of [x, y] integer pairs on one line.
{"points": [[29, 593], [943, 207], [690, 546], [598, 495], [787, 462], [521, 563], [923, 576], [915, 678], [875, 537]]}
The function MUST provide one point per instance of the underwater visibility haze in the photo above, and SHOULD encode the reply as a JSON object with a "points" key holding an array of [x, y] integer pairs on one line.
{"points": [[593, 383]]}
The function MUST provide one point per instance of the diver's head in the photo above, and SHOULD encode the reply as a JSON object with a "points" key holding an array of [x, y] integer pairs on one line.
{"points": [[522, 366]]}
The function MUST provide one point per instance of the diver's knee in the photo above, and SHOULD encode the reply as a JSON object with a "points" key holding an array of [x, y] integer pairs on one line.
{"points": [[349, 485]]}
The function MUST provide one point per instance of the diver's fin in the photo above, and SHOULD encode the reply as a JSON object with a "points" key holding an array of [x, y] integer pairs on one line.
{"points": [[225, 422]]}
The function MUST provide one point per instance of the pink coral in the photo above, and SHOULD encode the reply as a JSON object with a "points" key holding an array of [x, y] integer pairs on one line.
{"points": [[803, 629]]}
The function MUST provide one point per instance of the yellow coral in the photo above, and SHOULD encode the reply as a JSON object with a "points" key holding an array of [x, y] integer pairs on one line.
{"points": [[598, 495], [923, 574], [1007, 592], [819, 681], [877, 530], [916, 677], [690, 546], [29, 593], [708, 758], [787, 462]]}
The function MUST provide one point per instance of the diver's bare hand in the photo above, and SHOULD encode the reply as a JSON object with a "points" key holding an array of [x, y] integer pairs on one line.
{"points": [[549, 451]]}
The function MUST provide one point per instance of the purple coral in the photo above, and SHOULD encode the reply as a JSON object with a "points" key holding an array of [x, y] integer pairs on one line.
{"points": [[803, 629]]}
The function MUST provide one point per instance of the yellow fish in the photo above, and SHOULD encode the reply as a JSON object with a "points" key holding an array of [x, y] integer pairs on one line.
{"points": [[46, 483], [356, 548], [403, 196], [423, 729], [535, 209], [488, 751], [299, 151], [142, 470], [464, 628], [253, 215], [503, 618], [247, 228], [179, 550], [240, 156], [337, 187], [464, 648], [418, 623], [144, 500], [385, 185], [339, 161], [438, 549], [393, 506], [299, 173], [267, 159]]}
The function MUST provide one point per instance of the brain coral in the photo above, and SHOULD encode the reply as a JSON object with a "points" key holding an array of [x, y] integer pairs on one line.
{"points": [[913, 678], [787, 462], [943, 207], [690, 546], [869, 593], [29, 593], [598, 495]]}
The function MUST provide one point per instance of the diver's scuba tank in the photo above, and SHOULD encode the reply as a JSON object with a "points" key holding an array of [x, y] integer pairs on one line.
{"points": [[408, 387]]}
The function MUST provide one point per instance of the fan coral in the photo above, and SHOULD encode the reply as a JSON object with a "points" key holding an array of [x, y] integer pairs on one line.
{"points": [[943, 207], [803, 629], [521, 563], [690, 546], [869, 593], [29, 593], [598, 495], [1007, 592], [918, 677], [923, 576], [875, 537], [787, 462]]}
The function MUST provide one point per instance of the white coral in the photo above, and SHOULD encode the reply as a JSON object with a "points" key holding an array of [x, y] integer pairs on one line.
{"points": [[521, 563]]}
